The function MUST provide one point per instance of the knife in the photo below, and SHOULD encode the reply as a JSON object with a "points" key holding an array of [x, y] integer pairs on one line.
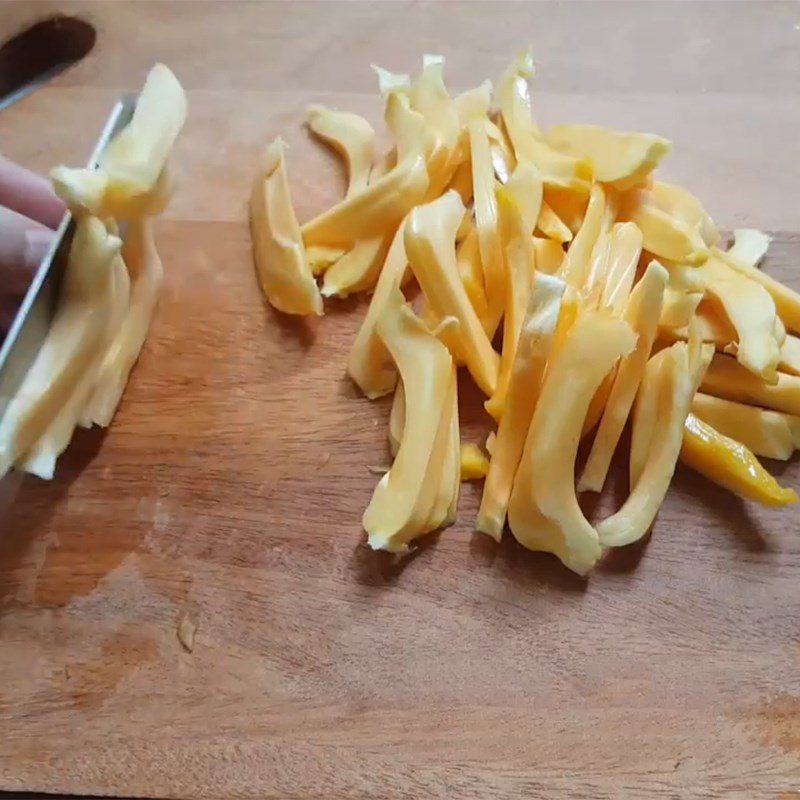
{"points": [[32, 321]]}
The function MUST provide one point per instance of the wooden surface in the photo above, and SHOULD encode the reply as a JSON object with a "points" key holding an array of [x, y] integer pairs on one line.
{"points": [[231, 486]]}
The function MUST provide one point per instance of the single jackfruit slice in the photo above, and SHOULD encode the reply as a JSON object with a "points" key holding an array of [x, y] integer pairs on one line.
{"points": [[544, 485], [645, 414], [730, 464], [430, 97], [665, 236], [474, 104], [575, 269], [749, 248], [429, 242], [283, 270], [412, 135], [728, 379], [550, 225], [677, 311], [524, 187], [683, 205], [625, 249], [767, 433], [390, 82], [474, 464], [349, 135], [487, 223], [146, 274], [680, 372], [369, 364], [570, 207], [321, 257], [468, 260], [533, 352], [519, 273], [617, 157], [549, 255], [358, 269], [375, 210], [790, 356], [76, 337], [513, 97], [751, 312], [642, 314], [397, 418], [503, 159], [135, 158], [404, 497]]}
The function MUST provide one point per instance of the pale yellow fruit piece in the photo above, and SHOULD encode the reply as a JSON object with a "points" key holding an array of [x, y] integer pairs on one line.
{"points": [[645, 414], [369, 363], [513, 97], [404, 497], [620, 158], [280, 257], [461, 181], [730, 464], [678, 310], [681, 371], [519, 273], [642, 314], [358, 269], [543, 513], [397, 418], [533, 352], [524, 186], [665, 236], [549, 255], [135, 158], [766, 433], [412, 136], [429, 242], [684, 277], [575, 268], [678, 203], [320, 257], [40, 459], [726, 378], [474, 104], [389, 82], [430, 97], [474, 464], [625, 248], [570, 207], [146, 275], [503, 159], [373, 211], [487, 224], [551, 226], [750, 310], [749, 248], [790, 356], [75, 338], [468, 259], [349, 135]]}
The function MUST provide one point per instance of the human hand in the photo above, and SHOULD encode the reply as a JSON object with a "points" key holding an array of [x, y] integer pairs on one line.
{"points": [[29, 214]]}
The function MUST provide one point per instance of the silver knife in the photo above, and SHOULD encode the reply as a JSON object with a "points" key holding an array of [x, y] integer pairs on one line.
{"points": [[32, 321]]}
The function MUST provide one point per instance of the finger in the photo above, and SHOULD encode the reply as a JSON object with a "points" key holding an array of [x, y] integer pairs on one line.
{"points": [[29, 194], [21, 244]]}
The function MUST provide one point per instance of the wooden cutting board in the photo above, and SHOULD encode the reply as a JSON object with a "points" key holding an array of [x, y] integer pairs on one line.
{"points": [[230, 488]]}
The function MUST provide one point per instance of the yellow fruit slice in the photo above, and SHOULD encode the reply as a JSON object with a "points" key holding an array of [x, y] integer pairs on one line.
{"points": [[474, 464], [358, 269], [617, 157], [543, 512], [533, 351], [429, 242], [349, 135], [730, 464], [625, 249], [280, 258], [575, 269]]}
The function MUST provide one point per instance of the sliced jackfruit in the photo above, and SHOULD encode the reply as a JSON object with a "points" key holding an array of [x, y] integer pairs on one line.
{"points": [[683, 205], [429, 242], [625, 248], [549, 255], [358, 269], [543, 512], [533, 352], [617, 157], [474, 464], [642, 314], [575, 268], [280, 258], [349, 135], [730, 464]]}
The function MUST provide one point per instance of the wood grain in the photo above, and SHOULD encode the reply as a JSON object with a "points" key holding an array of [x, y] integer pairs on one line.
{"points": [[231, 485]]}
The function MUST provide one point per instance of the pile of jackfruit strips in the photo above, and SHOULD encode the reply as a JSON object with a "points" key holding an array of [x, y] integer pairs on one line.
{"points": [[109, 288], [612, 292]]}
